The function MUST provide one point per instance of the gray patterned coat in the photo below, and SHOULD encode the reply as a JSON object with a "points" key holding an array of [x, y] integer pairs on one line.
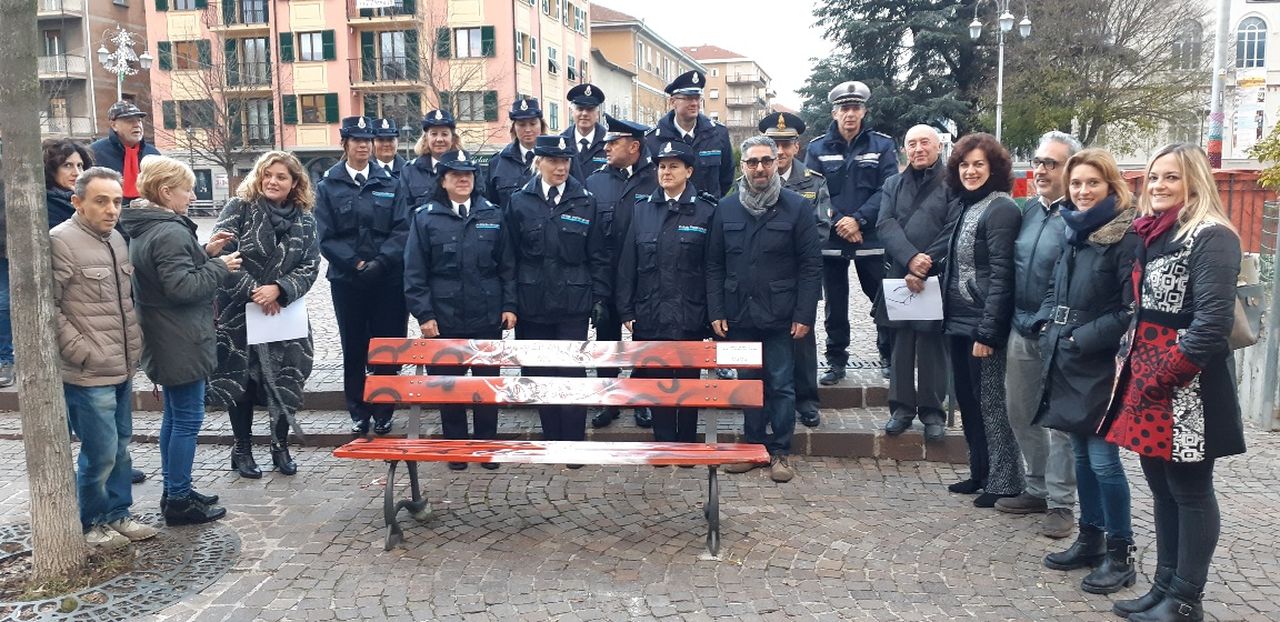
{"points": [[280, 369]]}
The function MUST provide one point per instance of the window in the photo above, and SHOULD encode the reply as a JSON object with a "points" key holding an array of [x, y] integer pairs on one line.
{"points": [[553, 116], [553, 61], [580, 20], [566, 16], [184, 5], [312, 108], [251, 122], [713, 94], [522, 41], [253, 11], [546, 7], [582, 71], [555, 9], [404, 108], [188, 54], [715, 73], [470, 105], [53, 44], [526, 48], [196, 113], [254, 64], [1251, 44], [311, 46], [474, 42], [571, 68], [392, 55]]}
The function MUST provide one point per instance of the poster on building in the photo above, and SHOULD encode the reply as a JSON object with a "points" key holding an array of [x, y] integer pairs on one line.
{"points": [[375, 4], [1247, 119]]}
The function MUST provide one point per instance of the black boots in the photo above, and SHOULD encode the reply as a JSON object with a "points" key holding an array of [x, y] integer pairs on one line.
{"points": [[1159, 587], [1116, 571], [242, 459], [1088, 550], [281, 459], [1181, 603], [191, 511]]}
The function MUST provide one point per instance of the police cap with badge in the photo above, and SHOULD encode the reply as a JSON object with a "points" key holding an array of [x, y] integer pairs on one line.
{"points": [[782, 126], [553, 146], [678, 150], [585, 96], [457, 161], [851, 92], [687, 83], [619, 128], [524, 108], [385, 128], [438, 118], [357, 127]]}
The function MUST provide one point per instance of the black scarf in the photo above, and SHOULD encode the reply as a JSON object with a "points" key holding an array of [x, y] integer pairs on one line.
{"points": [[1081, 223], [281, 216], [969, 197]]}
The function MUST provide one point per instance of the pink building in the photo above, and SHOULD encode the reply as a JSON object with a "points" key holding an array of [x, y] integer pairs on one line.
{"points": [[234, 78]]}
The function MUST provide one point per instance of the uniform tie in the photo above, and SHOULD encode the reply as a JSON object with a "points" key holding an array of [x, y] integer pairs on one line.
{"points": [[552, 194], [528, 157], [359, 179], [462, 210], [585, 145]]}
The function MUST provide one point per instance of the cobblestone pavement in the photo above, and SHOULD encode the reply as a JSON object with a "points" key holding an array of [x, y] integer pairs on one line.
{"points": [[847, 540]]}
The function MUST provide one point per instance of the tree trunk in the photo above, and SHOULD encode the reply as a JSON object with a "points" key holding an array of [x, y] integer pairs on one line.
{"points": [[57, 541]]}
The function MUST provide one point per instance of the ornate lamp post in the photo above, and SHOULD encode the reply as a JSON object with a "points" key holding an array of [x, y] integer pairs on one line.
{"points": [[1005, 23], [122, 61]]}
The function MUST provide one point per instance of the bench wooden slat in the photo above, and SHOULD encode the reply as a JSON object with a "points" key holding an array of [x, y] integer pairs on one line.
{"points": [[576, 354], [551, 452], [534, 390]]}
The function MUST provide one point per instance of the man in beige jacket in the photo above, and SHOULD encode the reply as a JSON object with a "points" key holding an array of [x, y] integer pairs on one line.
{"points": [[101, 344]]}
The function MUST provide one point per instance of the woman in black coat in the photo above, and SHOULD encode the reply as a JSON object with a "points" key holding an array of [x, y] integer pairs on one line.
{"points": [[271, 223], [978, 308], [1085, 312], [513, 167], [1175, 399]]}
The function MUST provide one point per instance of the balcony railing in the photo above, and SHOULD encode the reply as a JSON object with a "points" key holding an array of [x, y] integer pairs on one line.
{"points": [[394, 69], [402, 9], [66, 125], [60, 7], [744, 102], [744, 78], [62, 66], [249, 74]]}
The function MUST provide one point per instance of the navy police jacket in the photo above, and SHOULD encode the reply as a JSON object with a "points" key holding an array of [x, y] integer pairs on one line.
{"points": [[617, 195], [589, 161], [507, 174], [460, 272], [419, 182], [855, 171], [562, 257], [361, 223], [764, 273], [397, 167], [716, 168], [662, 272]]}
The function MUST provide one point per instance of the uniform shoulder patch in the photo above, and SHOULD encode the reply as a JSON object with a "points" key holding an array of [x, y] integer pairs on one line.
{"points": [[709, 198], [811, 173], [882, 134]]}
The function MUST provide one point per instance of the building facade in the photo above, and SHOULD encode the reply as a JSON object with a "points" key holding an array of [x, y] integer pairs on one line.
{"points": [[629, 44], [738, 93]]}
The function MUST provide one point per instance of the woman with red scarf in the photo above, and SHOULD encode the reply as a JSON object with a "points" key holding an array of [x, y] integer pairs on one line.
{"points": [[1175, 399]]}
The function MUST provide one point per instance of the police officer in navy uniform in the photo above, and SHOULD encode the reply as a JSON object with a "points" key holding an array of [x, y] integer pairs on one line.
{"points": [[562, 268], [710, 140], [512, 168], [460, 280], [418, 182], [362, 225], [587, 134], [386, 146], [785, 129], [856, 161], [629, 176], [662, 275]]}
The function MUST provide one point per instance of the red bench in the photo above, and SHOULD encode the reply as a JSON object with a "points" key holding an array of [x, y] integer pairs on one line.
{"points": [[416, 391]]}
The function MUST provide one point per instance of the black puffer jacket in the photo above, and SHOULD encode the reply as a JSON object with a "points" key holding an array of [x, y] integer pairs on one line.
{"points": [[977, 293]]}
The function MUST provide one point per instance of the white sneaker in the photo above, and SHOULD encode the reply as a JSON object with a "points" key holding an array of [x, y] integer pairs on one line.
{"points": [[132, 529], [103, 537]]}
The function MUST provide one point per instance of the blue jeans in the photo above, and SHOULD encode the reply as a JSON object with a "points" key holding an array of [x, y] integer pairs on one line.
{"points": [[1102, 486], [6, 323], [183, 414], [103, 419], [779, 412]]}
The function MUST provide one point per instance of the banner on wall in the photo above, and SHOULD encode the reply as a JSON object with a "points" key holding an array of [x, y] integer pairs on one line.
{"points": [[375, 4], [1248, 118]]}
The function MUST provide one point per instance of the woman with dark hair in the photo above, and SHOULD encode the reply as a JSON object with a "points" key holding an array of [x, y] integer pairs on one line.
{"points": [[418, 181], [977, 292], [64, 160], [513, 167], [460, 281]]}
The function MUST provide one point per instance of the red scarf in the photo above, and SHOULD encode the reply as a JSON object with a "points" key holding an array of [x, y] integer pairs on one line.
{"points": [[1151, 227], [130, 172]]}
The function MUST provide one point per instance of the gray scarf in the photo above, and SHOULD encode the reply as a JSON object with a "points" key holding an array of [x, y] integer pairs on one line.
{"points": [[757, 203]]}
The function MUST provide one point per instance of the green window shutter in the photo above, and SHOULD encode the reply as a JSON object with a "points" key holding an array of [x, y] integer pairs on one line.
{"points": [[232, 65], [331, 108], [164, 50], [168, 112], [162, 5], [228, 12], [328, 45], [446, 101], [266, 12], [410, 6], [235, 124], [368, 57], [289, 109], [202, 4], [490, 105], [444, 42], [488, 42], [411, 54], [266, 47], [286, 47], [271, 120], [205, 52]]}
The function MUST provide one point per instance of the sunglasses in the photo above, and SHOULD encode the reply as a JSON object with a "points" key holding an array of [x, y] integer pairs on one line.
{"points": [[757, 162], [1048, 163]]}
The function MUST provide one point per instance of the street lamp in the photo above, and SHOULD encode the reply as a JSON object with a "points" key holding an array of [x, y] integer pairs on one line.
{"points": [[121, 61], [1005, 24]]}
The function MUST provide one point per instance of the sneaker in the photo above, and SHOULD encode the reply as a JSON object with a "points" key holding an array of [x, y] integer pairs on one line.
{"points": [[6, 374], [132, 529], [780, 470], [1024, 503], [137, 476], [1058, 523], [832, 377], [103, 537], [741, 467], [809, 418]]}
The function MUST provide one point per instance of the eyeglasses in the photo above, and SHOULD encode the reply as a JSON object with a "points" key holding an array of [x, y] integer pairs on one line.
{"points": [[756, 163], [1048, 163]]}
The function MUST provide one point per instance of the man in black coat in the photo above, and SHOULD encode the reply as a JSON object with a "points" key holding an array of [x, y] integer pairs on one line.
{"points": [[915, 225], [709, 140], [124, 147], [764, 275]]}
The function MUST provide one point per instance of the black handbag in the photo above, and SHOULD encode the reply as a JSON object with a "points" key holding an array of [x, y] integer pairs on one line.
{"points": [[1247, 327]]}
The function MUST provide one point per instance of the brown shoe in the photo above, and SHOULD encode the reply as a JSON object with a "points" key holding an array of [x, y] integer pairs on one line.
{"points": [[741, 467], [780, 470], [1022, 504], [1058, 523]]}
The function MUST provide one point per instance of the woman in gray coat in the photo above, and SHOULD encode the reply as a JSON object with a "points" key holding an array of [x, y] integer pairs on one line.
{"points": [[275, 233]]}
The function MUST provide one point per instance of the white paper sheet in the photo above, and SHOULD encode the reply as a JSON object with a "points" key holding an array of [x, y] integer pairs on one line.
{"points": [[903, 304], [289, 323]]}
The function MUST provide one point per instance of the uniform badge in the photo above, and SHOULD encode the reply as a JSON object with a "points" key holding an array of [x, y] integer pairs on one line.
{"points": [[360, 123], [666, 148], [782, 122], [562, 142], [524, 104], [439, 116], [385, 125], [694, 79], [588, 91]]}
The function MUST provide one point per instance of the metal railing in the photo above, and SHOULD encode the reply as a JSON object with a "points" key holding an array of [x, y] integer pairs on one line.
{"points": [[62, 66], [387, 68], [68, 125], [399, 8], [744, 78], [249, 74], [60, 6]]}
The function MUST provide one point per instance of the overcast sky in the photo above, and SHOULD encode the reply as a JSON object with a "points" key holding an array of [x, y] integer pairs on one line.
{"points": [[780, 36]]}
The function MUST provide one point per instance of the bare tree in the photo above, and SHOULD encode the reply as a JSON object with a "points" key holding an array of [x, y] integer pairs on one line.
{"points": [[454, 76], [57, 541]]}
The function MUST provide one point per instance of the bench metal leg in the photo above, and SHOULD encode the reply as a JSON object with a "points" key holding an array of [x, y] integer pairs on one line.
{"points": [[417, 506], [712, 512]]}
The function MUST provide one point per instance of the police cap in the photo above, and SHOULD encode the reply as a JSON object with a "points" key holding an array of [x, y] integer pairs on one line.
{"points": [[438, 118], [457, 161], [356, 127], [687, 83], [782, 126], [525, 108], [678, 150], [586, 96], [553, 146], [619, 128], [385, 128], [851, 92]]}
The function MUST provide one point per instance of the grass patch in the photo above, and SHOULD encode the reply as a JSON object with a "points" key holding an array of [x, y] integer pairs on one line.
{"points": [[16, 583]]}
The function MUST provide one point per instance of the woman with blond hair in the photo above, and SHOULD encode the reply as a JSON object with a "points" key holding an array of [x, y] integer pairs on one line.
{"points": [[420, 179], [1175, 399], [174, 282], [1085, 312], [270, 220]]}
